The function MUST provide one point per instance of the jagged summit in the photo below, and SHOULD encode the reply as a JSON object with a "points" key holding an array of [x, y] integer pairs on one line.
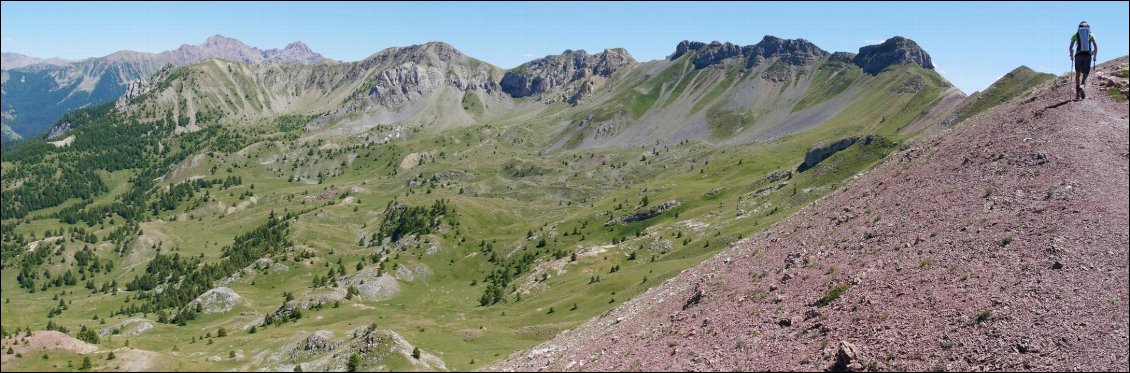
{"points": [[873, 58], [793, 51], [297, 46], [219, 46], [896, 50], [294, 52], [570, 76]]}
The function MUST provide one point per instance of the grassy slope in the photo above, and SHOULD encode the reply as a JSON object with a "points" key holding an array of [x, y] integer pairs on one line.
{"points": [[1017, 83]]}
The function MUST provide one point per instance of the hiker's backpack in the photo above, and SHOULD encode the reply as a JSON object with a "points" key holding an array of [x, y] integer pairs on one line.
{"points": [[1085, 39]]}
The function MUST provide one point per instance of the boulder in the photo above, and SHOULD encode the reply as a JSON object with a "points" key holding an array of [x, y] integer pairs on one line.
{"points": [[217, 300]]}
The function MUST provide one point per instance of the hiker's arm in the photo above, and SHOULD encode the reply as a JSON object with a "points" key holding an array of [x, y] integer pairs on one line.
{"points": [[1095, 49], [1071, 49]]}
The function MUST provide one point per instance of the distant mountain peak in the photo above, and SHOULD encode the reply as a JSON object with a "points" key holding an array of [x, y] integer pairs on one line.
{"points": [[217, 38], [896, 50], [298, 46], [294, 52], [16, 60]]}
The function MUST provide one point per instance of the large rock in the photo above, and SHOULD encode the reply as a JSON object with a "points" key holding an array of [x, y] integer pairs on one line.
{"points": [[131, 326], [319, 342], [897, 50], [846, 356], [217, 300]]}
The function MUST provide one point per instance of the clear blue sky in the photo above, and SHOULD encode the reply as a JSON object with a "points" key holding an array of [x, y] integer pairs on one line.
{"points": [[972, 44]]}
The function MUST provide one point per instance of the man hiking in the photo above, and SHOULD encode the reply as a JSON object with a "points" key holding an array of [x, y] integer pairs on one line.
{"points": [[1088, 51]]}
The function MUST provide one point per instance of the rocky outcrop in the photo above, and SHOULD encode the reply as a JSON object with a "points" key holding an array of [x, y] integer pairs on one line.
{"points": [[789, 51], [140, 86], [778, 175], [842, 57], [684, 47], [716, 53], [319, 342], [570, 76], [131, 326], [217, 300], [58, 130], [894, 51], [822, 151], [644, 213]]}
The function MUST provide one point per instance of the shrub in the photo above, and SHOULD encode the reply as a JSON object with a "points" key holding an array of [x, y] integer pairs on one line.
{"points": [[832, 295], [983, 315]]}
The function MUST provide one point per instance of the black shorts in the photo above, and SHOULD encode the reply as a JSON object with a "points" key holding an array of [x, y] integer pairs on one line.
{"points": [[1083, 63]]}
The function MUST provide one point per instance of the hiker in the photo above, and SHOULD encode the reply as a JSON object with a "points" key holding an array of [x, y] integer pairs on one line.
{"points": [[1088, 51]]}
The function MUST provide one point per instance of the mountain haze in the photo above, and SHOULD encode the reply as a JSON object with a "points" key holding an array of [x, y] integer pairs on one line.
{"points": [[37, 92]]}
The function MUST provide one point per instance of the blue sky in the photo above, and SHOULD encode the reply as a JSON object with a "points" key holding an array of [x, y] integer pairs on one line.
{"points": [[972, 44]]}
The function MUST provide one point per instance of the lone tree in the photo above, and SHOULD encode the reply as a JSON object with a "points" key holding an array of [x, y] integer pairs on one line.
{"points": [[416, 353], [353, 364]]}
